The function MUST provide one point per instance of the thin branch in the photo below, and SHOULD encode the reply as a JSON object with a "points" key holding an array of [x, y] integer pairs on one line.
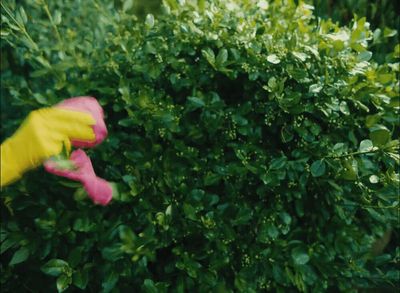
{"points": [[46, 9], [367, 207], [352, 154]]}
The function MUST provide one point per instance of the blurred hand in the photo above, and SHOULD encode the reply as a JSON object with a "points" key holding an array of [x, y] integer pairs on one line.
{"points": [[98, 189], [42, 135]]}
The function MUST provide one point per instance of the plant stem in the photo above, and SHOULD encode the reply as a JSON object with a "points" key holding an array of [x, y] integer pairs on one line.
{"points": [[352, 154], [46, 9]]}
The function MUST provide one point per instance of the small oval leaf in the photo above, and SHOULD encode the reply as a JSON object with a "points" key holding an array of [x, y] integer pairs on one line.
{"points": [[318, 168], [19, 256]]}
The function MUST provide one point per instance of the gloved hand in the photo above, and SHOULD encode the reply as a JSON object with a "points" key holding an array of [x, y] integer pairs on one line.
{"points": [[88, 105], [42, 135], [98, 189]]}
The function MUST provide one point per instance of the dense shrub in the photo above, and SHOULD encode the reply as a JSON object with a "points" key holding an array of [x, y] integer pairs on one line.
{"points": [[252, 144]]}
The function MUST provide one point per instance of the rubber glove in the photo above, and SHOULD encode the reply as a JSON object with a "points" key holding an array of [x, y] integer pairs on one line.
{"points": [[88, 105], [98, 189], [42, 135]]}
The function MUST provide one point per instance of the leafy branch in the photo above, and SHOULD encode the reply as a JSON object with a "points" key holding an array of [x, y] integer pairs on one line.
{"points": [[352, 154], [388, 148], [20, 26]]}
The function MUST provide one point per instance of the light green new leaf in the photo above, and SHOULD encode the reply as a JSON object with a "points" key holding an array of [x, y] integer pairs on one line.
{"points": [[373, 179], [209, 55], [57, 17], [128, 4], [315, 88], [222, 57], [149, 20], [63, 282], [274, 59], [366, 145], [364, 56]]}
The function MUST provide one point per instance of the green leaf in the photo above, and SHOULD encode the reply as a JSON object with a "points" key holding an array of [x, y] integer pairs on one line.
{"points": [[63, 164], [4, 32], [40, 99], [243, 216], [262, 234], [81, 278], [63, 282], [301, 56], [344, 108], [300, 255], [299, 206], [209, 55], [54, 267], [80, 194], [189, 211], [239, 120], [274, 59], [126, 122], [379, 135], [110, 281], [286, 134], [195, 103], [350, 170], [366, 145], [339, 148], [168, 211], [126, 234], [364, 56], [222, 57], [315, 88], [373, 179], [149, 286], [128, 4], [149, 20], [272, 231], [19, 256], [57, 17], [318, 168], [112, 253], [286, 218], [277, 164], [388, 32], [75, 256], [372, 120], [22, 13], [83, 224], [7, 244]]}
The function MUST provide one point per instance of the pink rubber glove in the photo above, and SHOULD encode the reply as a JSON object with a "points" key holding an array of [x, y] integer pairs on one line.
{"points": [[91, 106], [98, 189]]}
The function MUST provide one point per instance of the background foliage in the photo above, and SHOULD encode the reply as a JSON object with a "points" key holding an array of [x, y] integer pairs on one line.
{"points": [[253, 144], [383, 15]]}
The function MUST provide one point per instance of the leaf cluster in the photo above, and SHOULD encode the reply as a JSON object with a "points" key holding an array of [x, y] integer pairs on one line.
{"points": [[254, 147]]}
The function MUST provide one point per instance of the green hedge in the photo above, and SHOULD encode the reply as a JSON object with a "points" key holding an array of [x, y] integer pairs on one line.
{"points": [[253, 147]]}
